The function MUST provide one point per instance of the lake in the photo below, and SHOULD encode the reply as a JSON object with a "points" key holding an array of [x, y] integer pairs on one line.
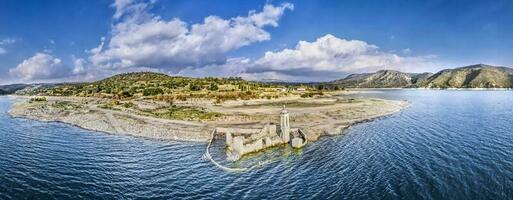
{"points": [[445, 145]]}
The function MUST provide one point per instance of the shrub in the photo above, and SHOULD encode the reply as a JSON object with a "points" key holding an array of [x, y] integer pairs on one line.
{"points": [[194, 87], [213, 87], [115, 102], [128, 104], [152, 91], [124, 94], [37, 99]]}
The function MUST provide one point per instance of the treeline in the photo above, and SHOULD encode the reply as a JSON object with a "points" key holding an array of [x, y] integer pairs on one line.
{"points": [[149, 84]]}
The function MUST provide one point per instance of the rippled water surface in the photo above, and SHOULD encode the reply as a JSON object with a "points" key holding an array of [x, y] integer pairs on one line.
{"points": [[445, 145]]}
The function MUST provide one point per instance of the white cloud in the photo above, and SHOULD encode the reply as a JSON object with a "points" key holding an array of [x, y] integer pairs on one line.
{"points": [[326, 58], [44, 67], [7, 41], [40, 66], [329, 55], [142, 41], [79, 65], [132, 8], [232, 67], [4, 42], [406, 51]]}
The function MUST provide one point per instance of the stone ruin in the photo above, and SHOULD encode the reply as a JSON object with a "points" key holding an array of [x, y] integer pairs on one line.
{"points": [[241, 141]]}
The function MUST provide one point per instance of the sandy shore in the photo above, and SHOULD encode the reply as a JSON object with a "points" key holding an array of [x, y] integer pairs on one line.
{"points": [[317, 116]]}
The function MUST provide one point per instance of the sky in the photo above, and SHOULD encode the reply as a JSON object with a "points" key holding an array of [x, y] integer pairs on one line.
{"points": [[83, 40]]}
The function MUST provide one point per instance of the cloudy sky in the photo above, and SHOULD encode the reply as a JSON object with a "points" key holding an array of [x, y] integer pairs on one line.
{"points": [[82, 40]]}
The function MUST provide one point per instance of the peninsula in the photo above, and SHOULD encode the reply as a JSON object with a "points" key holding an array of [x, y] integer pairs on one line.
{"points": [[180, 108]]}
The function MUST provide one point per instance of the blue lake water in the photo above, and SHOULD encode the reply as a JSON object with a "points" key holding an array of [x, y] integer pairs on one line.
{"points": [[445, 145]]}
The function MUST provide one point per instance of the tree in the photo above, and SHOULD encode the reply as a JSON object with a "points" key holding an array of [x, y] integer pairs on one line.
{"points": [[194, 87], [124, 94], [152, 91], [213, 87]]}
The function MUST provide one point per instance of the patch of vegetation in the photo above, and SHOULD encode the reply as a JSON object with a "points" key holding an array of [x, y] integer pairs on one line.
{"points": [[152, 91], [115, 105], [289, 104], [311, 94], [66, 105], [37, 99], [105, 106], [349, 100], [152, 85], [128, 104], [182, 113]]}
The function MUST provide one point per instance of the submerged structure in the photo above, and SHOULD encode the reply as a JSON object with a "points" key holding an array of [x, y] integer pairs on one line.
{"points": [[241, 141]]}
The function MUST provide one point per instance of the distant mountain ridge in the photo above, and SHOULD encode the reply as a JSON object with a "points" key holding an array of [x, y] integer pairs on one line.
{"points": [[11, 89], [473, 76], [15, 88], [382, 79]]}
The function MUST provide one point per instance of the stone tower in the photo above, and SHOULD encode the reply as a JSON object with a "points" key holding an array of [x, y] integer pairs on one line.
{"points": [[284, 124]]}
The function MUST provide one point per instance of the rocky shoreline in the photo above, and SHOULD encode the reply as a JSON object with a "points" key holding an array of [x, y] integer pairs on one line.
{"points": [[113, 122]]}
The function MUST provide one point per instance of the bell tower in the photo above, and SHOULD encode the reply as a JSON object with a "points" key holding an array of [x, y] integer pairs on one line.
{"points": [[284, 124]]}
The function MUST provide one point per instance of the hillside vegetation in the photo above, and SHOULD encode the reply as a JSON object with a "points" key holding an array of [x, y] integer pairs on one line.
{"points": [[10, 89], [382, 79], [474, 76], [170, 88]]}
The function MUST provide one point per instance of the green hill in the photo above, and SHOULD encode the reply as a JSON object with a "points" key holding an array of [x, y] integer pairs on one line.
{"points": [[164, 87], [142, 84], [137, 84], [474, 76], [10, 89], [382, 79]]}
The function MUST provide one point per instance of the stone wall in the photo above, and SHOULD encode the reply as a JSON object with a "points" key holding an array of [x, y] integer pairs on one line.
{"points": [[243, 141]]}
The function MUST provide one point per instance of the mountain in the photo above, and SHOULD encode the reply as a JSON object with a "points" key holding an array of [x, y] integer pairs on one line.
{"points": [[382, 79], [148, 83], [11, 89], [474, 76]]}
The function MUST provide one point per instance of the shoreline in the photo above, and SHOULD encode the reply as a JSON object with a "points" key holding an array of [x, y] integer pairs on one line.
{"points": [[324, 117], [95, 122]]}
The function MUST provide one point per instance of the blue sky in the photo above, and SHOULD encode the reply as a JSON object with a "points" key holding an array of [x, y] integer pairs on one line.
{"points": [[49, 41]]}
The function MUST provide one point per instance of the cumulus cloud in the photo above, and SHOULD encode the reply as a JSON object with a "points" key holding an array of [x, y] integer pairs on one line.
{"points": [[79, 65], [44, 67], [2, 51], [329, 55], [326, 58], [40, 66], [142, 41], [232, 67]]}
